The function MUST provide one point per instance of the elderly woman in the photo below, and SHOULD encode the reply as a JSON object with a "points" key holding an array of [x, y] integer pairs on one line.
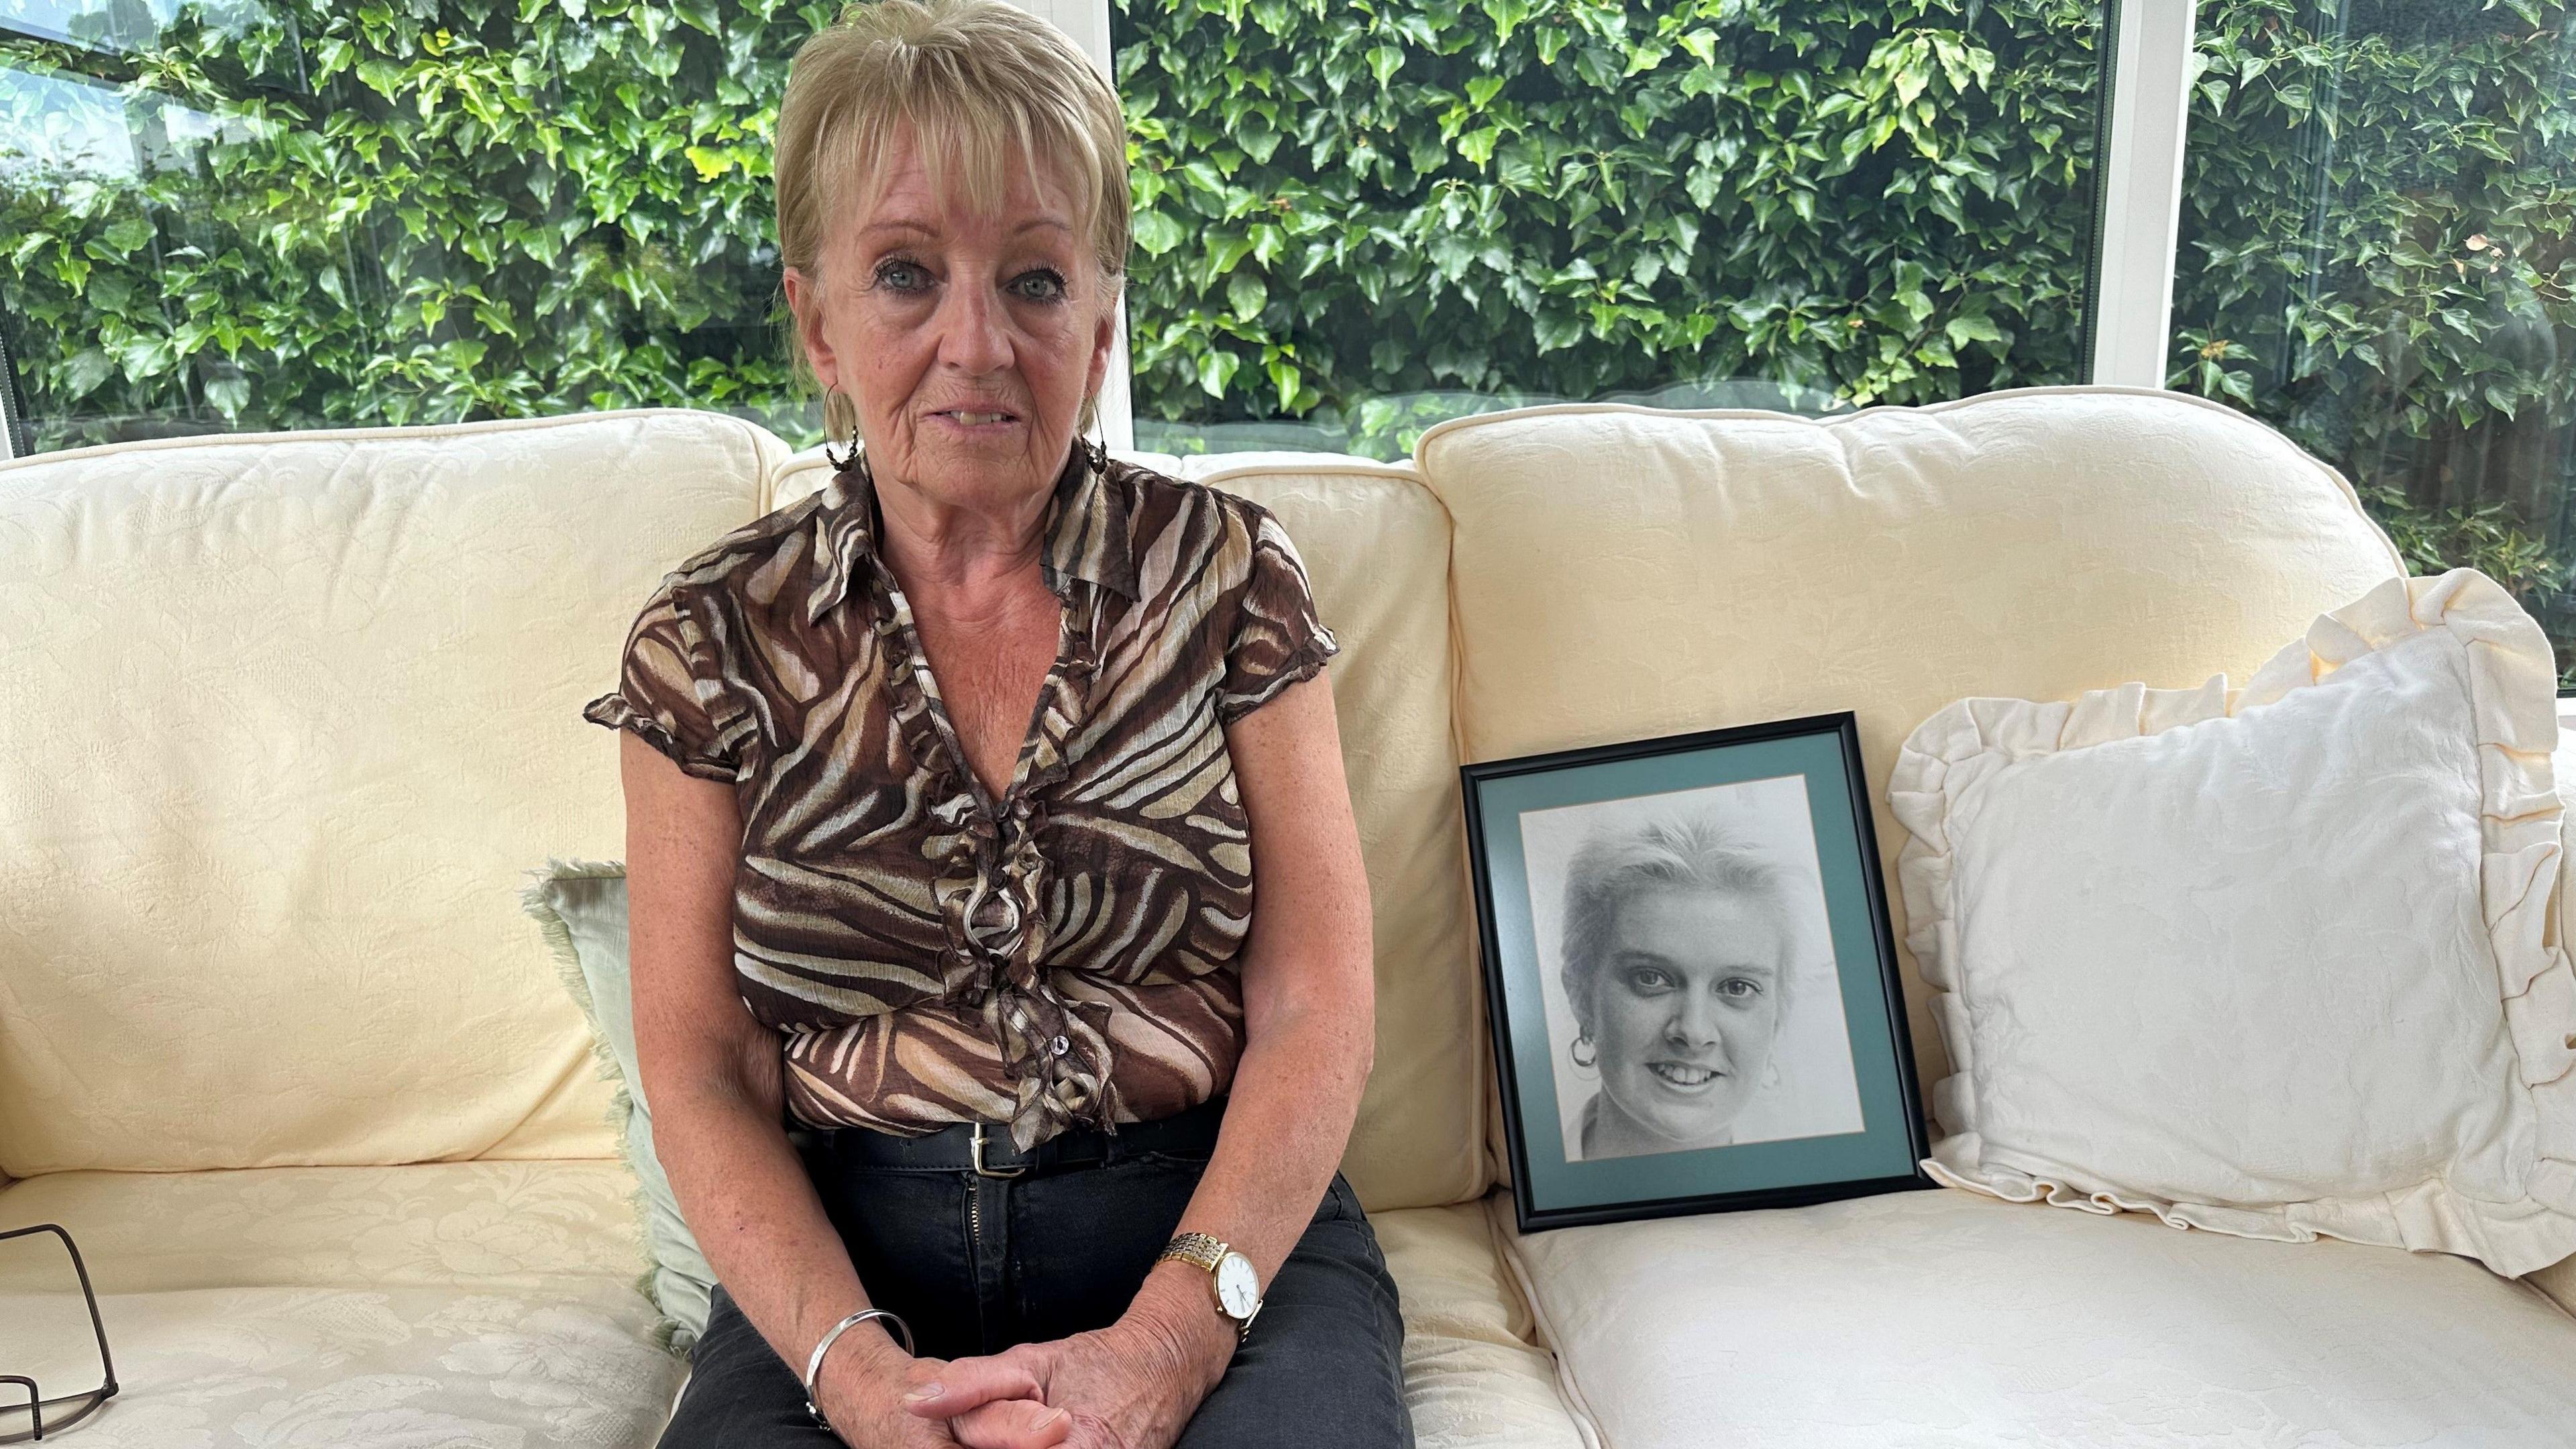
{"points": [[1000, 942], [1680, 943]]}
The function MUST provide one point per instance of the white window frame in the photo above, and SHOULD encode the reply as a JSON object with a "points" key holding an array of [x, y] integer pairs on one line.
{"points": [[10, 422], [2138, 222], [1087, 22]]}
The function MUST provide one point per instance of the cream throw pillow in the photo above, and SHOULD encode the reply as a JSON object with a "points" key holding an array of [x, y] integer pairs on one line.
{"points": [[2274, 962], [581, 907]]}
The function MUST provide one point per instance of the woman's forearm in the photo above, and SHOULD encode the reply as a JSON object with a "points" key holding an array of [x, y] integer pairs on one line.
{"points": [[1288, 1121], [757, 1218]]}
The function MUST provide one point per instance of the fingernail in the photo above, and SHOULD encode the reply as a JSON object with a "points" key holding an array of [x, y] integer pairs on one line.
{"points": [[926, 1391], [1052, 1415]]}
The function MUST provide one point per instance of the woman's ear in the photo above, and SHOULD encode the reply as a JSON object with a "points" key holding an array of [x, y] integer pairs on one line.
{"points": [[805, 302], [1104, 333], [1579, 1000]]}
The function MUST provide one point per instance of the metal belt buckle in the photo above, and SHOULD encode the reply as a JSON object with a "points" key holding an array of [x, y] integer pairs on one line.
{"points": [[976, 1147]]}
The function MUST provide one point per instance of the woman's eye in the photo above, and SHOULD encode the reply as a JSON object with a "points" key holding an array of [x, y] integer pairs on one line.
{"points": [[1043, 285], [897, 275], [1648, 978], [1740, 988]]}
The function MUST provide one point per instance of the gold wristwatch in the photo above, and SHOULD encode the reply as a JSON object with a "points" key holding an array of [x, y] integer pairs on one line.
{"points": [[1230, 1274]]}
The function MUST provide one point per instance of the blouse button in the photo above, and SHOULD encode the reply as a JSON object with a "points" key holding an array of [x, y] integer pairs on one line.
{"points": [[1059, 1046]]}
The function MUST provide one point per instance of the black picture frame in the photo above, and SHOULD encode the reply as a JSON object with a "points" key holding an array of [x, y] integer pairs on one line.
{"points": [[1893, 1119]]}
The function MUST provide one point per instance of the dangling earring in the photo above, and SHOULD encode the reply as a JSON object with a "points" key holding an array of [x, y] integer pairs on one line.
{"points": [[1575, 1051], [842, 464], [1098, 456]]}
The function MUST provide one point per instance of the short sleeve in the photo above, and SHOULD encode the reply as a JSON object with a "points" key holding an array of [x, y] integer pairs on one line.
{"points": [[671, 690], [1277, 638]]}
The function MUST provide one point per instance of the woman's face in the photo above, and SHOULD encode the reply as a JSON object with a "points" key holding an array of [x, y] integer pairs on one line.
{"points": [[968, 339], [1686, 1008]]}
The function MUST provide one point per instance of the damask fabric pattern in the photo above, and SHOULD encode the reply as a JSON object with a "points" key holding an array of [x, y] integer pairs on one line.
{"points": [[934, 954], [286, 1368], [482, 1305], [1948, 1320]]}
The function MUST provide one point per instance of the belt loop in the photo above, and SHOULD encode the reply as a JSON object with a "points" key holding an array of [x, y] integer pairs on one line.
{"points": [[975, 1146]]}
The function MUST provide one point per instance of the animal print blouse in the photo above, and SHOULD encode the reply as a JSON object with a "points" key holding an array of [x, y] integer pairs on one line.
{"points": [[1065, 953]]}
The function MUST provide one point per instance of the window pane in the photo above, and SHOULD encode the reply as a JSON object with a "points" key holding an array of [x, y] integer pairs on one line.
{"points": [[1354, 221], [2375, 258], [247, 215]]}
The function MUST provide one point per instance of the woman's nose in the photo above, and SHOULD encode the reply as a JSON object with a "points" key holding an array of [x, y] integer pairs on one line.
{"points": [[1693, 1022], [972, 335]]}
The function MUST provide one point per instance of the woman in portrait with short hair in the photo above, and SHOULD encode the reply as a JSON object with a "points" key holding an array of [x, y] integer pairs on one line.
{"points": [[1681, 938], [1001, 944]]}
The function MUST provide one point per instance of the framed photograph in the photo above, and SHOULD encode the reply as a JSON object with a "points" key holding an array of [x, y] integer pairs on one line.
{"points": [[1691, 975]]}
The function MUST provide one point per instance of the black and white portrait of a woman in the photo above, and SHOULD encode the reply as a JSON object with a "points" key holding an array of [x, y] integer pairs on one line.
{"points": [[1688, 972]]}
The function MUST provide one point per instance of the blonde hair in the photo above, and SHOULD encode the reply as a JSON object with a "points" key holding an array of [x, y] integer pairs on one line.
{"points": [[985, 85]]}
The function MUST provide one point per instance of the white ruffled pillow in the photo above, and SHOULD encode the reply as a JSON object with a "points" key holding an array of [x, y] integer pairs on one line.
{"points": [[2276, 963]]}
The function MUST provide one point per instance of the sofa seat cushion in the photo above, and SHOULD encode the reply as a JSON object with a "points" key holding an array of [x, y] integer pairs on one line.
{"points": [[358, 1368], [465, 1304], [1944, 1317], [1471, 1375]]}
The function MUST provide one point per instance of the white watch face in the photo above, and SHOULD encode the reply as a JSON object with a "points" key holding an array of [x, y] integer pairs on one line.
{"points": [[1238, 1288]]}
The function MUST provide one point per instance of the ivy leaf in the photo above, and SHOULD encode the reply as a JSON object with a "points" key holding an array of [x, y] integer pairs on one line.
{"points": [[1288, 380], [1224, 253], [1554, 330], [1157, 232], [1964, 330], [1246, 293], [85, 370], [126, 234], [228, 395], [1216, 369]]}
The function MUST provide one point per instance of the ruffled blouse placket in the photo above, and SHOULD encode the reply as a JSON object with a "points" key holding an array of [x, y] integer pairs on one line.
{"points": [[993, 878]]}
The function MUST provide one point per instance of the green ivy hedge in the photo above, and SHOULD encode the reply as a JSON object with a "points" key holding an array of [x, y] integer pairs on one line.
{"points": [[410, 213], [1353, 216], [2410, 318], [1861, 202]]}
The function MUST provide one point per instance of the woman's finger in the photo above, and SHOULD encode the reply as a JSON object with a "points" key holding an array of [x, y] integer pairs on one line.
{"points": [[969, 1383], [1011, 1424]]}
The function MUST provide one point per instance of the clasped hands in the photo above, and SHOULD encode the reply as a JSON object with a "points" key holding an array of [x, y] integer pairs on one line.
{"points": [[1132, 1385]]}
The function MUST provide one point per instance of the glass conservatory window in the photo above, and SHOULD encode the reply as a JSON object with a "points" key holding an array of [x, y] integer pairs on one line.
{"points": [[1353, 221], [295, 214], [2375, 257]]}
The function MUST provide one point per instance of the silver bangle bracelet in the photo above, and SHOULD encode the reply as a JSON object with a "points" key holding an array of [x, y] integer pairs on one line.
{"points": [[814, 1365]]}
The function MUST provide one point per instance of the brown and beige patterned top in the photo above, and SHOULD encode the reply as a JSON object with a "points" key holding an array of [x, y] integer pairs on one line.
{"points": [[931, 954]]}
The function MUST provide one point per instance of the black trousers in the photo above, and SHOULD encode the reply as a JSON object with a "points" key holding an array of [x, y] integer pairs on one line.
{"points": [[978, 1264]]}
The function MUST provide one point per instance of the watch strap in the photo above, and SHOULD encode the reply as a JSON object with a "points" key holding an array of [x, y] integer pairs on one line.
{"points": [[1197, 1248]]}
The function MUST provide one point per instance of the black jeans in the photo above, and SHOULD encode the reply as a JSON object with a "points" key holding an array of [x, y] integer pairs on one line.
{"points": [[976, 1264]]}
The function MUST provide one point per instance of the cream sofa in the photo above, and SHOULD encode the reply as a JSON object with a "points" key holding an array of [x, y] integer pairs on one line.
{"points": [[284, 718]]}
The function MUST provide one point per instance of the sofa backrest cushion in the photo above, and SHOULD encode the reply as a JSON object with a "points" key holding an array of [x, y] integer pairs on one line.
{"points": [[1623, 574], [1376, 548], [282, 720]]}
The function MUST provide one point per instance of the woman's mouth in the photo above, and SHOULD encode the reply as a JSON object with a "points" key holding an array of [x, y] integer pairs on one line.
{"points": [[976, 417], [1682, 1074]]}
